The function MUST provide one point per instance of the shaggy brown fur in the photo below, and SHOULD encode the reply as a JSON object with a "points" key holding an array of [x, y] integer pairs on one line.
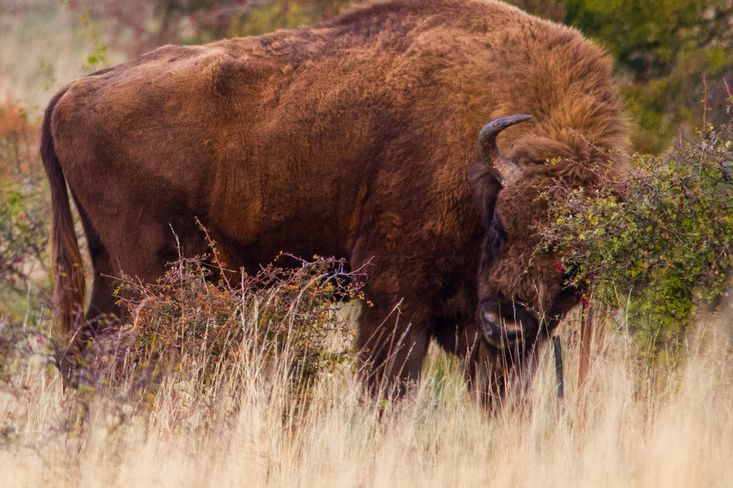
{"points": [[353, 138]]}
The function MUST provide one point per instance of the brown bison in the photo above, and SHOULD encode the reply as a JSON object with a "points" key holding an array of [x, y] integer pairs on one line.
{"points": [[354, 138]]}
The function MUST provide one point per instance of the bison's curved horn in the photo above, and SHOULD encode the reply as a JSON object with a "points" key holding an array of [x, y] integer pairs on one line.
{"points": [[488, 150]]}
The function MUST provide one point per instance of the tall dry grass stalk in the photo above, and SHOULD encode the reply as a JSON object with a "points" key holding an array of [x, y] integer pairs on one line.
{"points": [[673, 429]]}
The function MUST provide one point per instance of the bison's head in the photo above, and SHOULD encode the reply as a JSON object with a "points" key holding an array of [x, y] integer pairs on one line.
{"points": [[523, 291]]}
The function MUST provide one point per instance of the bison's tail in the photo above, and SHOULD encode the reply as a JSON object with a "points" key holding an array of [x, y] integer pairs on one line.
{"points": [[68, 271]]}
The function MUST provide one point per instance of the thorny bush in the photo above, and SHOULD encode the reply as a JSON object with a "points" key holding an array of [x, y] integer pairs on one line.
{"points": [[198, 323]]}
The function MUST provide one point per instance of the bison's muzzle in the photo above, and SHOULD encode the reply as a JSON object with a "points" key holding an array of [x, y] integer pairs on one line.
{"points": [[506, 326]]}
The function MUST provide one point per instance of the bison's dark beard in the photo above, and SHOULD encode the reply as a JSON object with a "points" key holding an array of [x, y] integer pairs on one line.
{"points": [[502, 377]]}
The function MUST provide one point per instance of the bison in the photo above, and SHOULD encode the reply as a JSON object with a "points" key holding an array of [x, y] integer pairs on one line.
{"points": [[354, 138]]}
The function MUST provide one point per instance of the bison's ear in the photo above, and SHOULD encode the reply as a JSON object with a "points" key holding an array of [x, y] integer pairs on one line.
{"points": [[484, 188]]}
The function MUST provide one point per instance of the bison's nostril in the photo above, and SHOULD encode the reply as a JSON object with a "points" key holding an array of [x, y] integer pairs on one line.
{"points": [[490, 325], [491, 318]]}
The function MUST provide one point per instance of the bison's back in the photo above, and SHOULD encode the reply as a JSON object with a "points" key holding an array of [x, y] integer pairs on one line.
{"points": [[366, 122]]}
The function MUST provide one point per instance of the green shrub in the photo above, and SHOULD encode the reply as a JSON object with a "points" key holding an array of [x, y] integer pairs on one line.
{"points": [[663, 249], [24, 215]]}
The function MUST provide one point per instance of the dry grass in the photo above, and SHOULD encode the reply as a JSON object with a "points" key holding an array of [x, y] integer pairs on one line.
{"points": [[665, 429]]}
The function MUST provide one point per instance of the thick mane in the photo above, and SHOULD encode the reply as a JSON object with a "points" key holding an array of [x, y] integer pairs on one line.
{"points": [[538, 65]]}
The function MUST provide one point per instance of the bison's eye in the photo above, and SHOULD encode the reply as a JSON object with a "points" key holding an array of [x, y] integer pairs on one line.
{"points": [[568, 272], [497, 234]]}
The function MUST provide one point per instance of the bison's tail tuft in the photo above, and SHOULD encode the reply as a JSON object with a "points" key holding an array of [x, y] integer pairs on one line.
{"points": [[68, 271]]}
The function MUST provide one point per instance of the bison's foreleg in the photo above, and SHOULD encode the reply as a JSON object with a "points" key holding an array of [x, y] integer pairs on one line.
{"points": [[392, 346]]}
